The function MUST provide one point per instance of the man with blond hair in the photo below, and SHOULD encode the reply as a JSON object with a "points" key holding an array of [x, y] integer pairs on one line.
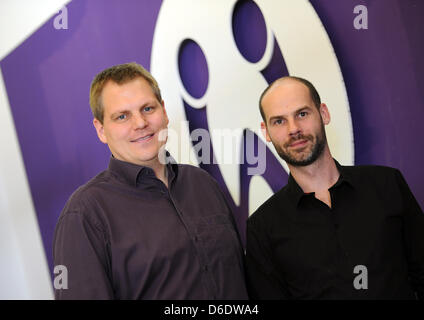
{"points": [[146, 227]]}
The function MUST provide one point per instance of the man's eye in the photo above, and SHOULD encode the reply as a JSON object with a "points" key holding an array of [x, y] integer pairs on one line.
{"points": [[303, 114], [278, 121], [148, 109], [122, 117]]}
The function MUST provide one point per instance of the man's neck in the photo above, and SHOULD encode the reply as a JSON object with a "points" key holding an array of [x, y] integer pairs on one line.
{"points": [[318, 176]]}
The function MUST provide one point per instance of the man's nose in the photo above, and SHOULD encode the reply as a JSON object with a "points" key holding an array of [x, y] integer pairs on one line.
{"points": [[293, 127], [139, 121]]}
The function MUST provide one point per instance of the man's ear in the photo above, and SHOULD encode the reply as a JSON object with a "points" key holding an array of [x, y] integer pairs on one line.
{"points": [[265, 132], [325, 114], [100, 130]]}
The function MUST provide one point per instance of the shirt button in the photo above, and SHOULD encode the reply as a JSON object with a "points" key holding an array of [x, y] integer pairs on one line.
{"points": [[196, 239], [205, 268]]}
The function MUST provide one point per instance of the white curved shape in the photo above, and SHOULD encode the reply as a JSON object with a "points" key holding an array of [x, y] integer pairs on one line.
{"points": [[19, 19], [308, 53], [236, 84]]}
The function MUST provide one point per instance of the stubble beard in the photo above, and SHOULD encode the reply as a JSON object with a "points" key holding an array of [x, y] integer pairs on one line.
{"points": [[297, 159]]}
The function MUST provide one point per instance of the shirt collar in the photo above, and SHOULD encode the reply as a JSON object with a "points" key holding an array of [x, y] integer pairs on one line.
{"points": [[132, 173], [345, 176], [294, 190], [296, 193]]}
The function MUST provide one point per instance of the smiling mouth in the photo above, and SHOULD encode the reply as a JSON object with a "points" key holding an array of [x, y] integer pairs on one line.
{"points": [[143, 138]]}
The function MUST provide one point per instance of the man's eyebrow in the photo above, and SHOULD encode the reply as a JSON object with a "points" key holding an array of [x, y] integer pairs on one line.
{"points": [[303, 108], [276, 117], [118, 112], [124, 109]]}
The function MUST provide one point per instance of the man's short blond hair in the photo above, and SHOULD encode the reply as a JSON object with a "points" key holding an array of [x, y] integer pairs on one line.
{"points": [[120, 74]]}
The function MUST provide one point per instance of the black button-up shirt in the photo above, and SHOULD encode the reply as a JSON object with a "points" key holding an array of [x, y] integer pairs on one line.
{"points": [[124, 235], [373, 234]]}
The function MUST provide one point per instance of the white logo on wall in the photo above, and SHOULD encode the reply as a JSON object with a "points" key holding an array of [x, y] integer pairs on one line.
{"points": [[235, 84]]}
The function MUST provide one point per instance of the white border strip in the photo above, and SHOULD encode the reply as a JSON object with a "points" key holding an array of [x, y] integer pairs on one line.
{"points": [[21, 18], [24, 272]]}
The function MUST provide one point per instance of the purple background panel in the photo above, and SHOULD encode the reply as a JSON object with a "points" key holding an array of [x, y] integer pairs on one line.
{"points": [[48, 79], [382, 69]]}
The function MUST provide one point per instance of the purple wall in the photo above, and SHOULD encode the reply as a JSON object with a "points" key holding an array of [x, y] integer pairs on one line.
{"points": [[48, 77], [382, 68], [48, 80]]}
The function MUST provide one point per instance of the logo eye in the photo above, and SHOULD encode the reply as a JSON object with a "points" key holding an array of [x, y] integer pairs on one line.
{"points": [[193, 68]]}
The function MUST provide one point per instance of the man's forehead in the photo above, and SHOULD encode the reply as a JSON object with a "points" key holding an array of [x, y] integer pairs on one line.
{"points": [[286, 93], [129, 89], [287, 86], [113, 85]]}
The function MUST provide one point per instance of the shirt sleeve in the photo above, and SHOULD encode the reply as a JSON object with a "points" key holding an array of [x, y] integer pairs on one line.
{"points": [[263, 282], [80, 248], [413, 236]]}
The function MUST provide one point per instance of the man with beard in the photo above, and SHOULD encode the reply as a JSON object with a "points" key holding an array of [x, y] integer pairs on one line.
{"points": [[333, 232]]}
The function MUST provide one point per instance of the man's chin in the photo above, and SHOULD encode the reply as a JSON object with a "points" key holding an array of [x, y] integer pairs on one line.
{"points": [[297, 161]]}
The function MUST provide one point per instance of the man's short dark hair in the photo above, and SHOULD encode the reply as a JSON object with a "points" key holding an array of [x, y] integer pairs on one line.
{"points": [[313, 92]]}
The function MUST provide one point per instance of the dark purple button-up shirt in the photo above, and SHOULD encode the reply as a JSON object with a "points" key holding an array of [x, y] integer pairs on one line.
{"points": [[125, 235]]}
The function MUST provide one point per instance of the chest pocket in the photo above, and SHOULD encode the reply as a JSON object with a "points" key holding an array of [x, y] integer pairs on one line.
{"points": [[219, 240]]}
